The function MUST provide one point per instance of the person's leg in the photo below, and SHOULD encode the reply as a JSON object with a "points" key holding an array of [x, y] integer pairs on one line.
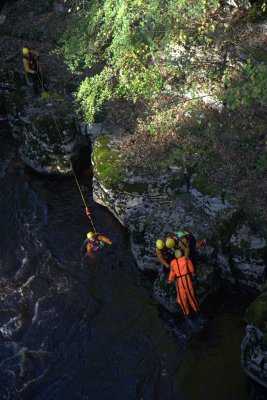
{"points": [[190, 293], [181, 296]]}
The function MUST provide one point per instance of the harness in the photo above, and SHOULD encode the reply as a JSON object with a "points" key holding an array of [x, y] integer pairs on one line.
{"points": [[32, 62], [96, 244]]}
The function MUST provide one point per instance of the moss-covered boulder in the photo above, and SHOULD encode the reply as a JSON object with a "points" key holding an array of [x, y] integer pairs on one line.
{"points": [[152, 202], [248, 249], [241, 248], [254, 345], [120, 187], [256, 315], [46, 130]]}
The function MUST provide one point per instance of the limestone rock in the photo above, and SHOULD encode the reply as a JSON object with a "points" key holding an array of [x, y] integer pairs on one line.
{"points": [[249, 250], [254, 345], [46, 130]]}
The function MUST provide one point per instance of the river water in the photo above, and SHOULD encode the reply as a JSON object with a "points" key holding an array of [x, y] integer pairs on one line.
{"points": [[73, 330]]}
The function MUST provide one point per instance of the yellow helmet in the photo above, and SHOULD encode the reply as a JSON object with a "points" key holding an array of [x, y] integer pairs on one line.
{"points": [[178, 253], [25, 50], [170, 242], [160, 244], [90, 235]]}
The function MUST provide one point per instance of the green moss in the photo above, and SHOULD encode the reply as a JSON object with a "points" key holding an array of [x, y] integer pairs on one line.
{"points": [[225, 223], [108, 163], [137, 187], [176, 183], [257, 219], [256, 315]]}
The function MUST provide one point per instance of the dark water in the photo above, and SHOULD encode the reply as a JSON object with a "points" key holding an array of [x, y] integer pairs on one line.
{"points": [[71, 330]]}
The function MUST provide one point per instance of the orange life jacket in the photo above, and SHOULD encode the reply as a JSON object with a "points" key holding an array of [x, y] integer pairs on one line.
{"points": [[181, 268]]}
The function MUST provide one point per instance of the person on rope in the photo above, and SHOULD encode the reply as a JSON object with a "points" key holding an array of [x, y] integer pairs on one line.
{"points": [[182, 270], [32, 68], [95, 242]]}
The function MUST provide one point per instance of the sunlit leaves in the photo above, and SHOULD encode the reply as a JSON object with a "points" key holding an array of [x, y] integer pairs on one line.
{"points": [[128, 42], [248, 86]]}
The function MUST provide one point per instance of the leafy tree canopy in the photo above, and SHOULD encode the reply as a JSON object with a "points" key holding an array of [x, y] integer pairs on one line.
{"points": [[142, 48]]}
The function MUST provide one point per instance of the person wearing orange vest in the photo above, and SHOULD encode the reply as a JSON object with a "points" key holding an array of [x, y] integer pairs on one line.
{"points": [[31, 67], [181, 270], [95, 242]]}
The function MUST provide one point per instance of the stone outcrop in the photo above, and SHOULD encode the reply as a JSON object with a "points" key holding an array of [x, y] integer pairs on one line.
{"points": [[45, 127], [151, 203]]}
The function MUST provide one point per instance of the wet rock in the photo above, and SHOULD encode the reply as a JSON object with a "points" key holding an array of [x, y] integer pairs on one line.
{"points": [[249, 250], [254, 345], [166, 293]]}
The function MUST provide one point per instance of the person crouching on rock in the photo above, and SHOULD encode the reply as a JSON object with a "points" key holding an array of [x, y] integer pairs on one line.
{"points": [[95, 242], [181, 270], [165, 254]]}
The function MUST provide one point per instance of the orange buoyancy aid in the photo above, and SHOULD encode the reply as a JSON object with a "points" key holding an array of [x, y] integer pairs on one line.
{"points": [[181, 268]]}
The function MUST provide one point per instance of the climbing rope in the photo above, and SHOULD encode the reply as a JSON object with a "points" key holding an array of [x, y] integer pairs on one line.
{"points": [[87, 210]]}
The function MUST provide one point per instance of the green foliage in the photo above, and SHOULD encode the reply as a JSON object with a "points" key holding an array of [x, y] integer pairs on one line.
{"points": [[258, 11], [250, 85], [127, 41], [141, 49]]}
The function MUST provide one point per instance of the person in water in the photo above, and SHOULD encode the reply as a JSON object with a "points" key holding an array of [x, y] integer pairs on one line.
{"points": [[95, 243], [182, 270]]}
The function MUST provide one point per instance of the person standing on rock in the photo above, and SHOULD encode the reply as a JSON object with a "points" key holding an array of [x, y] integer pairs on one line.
{"points": [[32, 68], [182, 270]]}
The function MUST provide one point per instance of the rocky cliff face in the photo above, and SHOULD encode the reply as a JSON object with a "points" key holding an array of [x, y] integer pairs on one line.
{"points": [[45, 126], [150, 204]]}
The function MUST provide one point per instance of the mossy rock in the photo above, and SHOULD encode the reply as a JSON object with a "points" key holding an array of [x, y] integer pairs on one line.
{"points": [[225, 224], [256, 315], [108, 163]]}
